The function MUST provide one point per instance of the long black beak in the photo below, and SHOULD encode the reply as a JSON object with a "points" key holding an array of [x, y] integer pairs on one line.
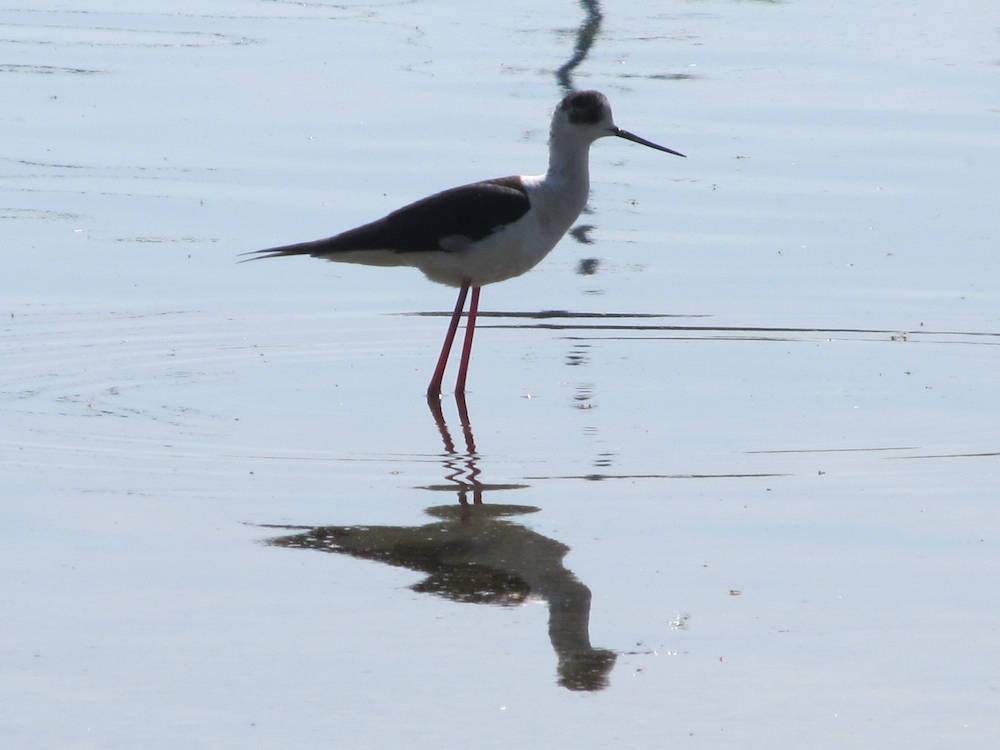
{"points": [[642, 141]]}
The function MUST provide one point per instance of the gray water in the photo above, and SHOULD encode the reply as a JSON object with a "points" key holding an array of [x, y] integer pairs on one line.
{"points": [[726, 474]]}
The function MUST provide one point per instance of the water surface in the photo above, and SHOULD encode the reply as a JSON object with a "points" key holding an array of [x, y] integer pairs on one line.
{"points": [[726, 474]]}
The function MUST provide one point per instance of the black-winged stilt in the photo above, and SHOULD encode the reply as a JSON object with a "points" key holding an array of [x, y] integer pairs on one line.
{"points": [[485, 232]]}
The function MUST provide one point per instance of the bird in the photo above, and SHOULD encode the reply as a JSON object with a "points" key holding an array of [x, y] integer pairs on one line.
{"points": [[484, 232]]}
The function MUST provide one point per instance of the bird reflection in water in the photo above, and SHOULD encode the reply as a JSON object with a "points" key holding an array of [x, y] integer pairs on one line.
{"points": [[473, 552]]}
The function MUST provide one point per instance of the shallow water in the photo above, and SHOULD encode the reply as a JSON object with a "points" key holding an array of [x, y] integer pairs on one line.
{"points": [[735, 440]]}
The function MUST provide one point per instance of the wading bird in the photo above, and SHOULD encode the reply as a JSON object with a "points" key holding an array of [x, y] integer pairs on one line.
{"points": [[485, 232]]}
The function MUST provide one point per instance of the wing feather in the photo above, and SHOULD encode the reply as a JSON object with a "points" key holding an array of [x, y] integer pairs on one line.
{"points": [[472, 211]]}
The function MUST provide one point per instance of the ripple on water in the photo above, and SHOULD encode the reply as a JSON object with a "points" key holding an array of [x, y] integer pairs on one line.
{"points": [[87, 384], [161, 390]]}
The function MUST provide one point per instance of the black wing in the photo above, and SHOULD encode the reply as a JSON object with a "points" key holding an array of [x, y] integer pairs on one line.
{"points": [[472, 211]]}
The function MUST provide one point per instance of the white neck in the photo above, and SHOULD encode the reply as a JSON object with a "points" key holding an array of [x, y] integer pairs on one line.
{"points": [[567, 182], [569, 159]]}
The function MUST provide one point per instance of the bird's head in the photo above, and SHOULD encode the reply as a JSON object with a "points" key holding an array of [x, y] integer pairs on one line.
{"points": [[587, 115]]}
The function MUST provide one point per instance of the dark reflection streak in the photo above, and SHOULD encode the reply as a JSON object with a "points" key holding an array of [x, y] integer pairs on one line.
{"points": [[463, 416], [944, 455], [901, 336], [459, 464], [435, 406], [727, 329], [836, 450], [585, 37], [548, 314], [603, 477], [581, 233], [462, 467]]}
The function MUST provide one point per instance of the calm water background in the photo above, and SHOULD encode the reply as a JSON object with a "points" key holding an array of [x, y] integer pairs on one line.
{"points": [[749, 470]]}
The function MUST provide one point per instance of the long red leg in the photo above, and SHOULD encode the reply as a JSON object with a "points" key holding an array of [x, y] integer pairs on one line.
{"points": [[470, 331], [434, 389]]}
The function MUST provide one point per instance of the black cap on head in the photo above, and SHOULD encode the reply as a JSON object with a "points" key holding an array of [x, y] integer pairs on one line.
{"points": [[585, 107]]}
